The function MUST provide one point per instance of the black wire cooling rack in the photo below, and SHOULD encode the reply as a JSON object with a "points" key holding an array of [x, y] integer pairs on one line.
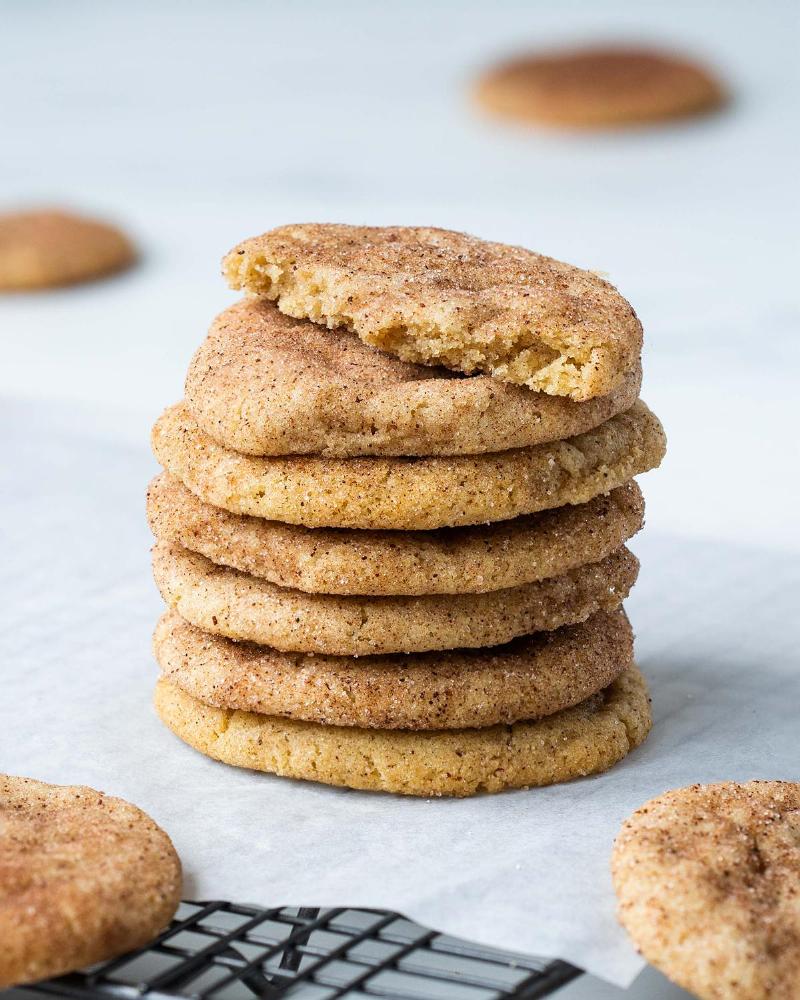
{"points": [[226, 951]]}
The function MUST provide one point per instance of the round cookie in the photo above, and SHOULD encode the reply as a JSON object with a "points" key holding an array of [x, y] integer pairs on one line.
{"points": [[526, 679], [586, 739], [598, 87], [410, 493], [83, 877], [447, 561], [265, 384], [46, 248], [708, 884], [436, 297], [224, 601]]}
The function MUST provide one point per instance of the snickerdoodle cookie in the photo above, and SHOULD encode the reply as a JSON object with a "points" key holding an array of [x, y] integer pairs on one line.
{"points": [[437, 297], [708, 882], [266, 384], [588, 738], [598, 87], [447, 561], [410, 493], [47, 247], [83, 877], [226, 602], [525, 679]]}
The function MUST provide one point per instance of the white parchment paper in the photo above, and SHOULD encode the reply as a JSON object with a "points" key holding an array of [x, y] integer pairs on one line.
{"points": [[717, 639]]}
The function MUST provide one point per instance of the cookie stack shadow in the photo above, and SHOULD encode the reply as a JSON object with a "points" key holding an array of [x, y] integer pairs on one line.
{"points": [[385, 575]]}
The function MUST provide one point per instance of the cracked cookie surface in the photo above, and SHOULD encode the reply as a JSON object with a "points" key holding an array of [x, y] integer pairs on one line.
{"points": [[708, 885], [436, 297]]}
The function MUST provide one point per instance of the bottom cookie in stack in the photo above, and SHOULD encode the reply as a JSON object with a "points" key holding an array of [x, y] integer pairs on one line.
{"points": [[542, 709]]}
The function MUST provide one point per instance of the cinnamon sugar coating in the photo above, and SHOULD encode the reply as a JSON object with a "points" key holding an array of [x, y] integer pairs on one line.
{"points": [[348, 561], [226, 602], [263, 383], [525, 679], [586, 739], [407, 493], [708, 884], [83, 877], [436, 297]]}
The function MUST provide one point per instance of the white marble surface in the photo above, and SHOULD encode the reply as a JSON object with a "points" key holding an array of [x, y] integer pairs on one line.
{"points": [[195, 125]]}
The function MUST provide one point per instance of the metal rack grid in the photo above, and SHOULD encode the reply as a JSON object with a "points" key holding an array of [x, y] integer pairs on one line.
{"points": [[227, 951]]}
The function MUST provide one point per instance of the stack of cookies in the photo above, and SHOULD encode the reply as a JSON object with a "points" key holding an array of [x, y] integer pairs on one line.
{"points": [[391, 528]]}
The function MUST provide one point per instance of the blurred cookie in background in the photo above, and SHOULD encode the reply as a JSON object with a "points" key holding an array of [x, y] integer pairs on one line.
{"points": [[598, 87], [46, 248]]}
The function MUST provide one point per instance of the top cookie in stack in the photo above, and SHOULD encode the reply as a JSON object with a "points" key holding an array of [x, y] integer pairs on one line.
{"points": [[391, 528]]}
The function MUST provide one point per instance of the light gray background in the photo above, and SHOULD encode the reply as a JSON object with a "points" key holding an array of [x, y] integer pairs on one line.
{"points": [[197, 124]]}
